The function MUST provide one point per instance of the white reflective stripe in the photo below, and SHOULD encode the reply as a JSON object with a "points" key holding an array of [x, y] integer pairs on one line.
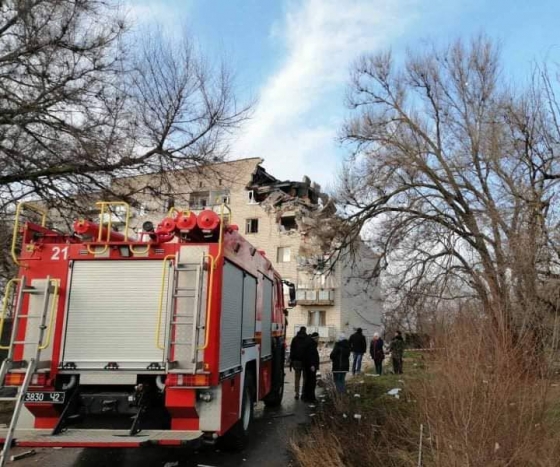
{"points": [[259, 326]]}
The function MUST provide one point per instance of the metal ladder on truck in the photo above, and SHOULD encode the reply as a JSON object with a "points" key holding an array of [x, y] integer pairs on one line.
{"points": [[50, 289], [184, 317]]}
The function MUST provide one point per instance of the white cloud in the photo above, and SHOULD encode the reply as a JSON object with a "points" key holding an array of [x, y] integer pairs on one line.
{"points": [[168, 15], [301, 105]]}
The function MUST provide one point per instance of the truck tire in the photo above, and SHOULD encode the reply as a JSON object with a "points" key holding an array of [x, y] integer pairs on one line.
{"points": [[236, 438], [274, 398]]}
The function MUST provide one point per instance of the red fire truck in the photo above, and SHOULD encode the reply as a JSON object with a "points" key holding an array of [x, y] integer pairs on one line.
{"points": [[167, 339]]}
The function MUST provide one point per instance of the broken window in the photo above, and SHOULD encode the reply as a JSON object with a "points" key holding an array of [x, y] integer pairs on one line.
{"points": [[251, 197], [288, 223], [284, 254], [251, 226]]}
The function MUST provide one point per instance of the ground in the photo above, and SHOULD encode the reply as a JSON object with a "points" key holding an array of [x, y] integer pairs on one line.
{"points": [[270, 435]]}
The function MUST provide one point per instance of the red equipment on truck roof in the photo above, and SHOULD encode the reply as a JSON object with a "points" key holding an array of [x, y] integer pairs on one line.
{"points": [[176, 335]]}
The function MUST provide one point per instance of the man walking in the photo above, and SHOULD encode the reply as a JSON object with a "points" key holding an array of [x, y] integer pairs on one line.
{"points": [[397, 351], [340, 357], [358, 347], [310, 367], [297, 352]]}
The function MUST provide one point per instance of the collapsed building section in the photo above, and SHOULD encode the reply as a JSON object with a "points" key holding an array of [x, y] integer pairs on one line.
{"points": [[297, 207]]}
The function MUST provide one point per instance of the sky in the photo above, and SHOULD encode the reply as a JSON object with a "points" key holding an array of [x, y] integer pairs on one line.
{"points": [[293, 58]]}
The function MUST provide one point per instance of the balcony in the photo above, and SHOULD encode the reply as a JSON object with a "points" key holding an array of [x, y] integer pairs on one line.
{"points": [[315, 297]]}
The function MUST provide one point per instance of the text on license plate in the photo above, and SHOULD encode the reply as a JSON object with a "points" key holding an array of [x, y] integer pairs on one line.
{"points": [[45, 397]]}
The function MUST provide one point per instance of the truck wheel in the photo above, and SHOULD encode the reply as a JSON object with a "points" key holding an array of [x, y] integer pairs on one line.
{"points": [[274, 399], [236, 438]]}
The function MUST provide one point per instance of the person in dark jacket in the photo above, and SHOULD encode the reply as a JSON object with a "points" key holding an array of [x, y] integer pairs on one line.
{"points": [[297, 351], [358, 346], [310, 367], [340, 357], [397, 350], [377, 353]]}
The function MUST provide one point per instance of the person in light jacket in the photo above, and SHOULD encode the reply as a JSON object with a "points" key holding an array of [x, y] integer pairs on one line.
{"points": [[377, 353], [340, 357]]}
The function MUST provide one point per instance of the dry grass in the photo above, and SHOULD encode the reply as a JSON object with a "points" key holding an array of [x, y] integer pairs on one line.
{"points": [[476, 400], [481, 406]]}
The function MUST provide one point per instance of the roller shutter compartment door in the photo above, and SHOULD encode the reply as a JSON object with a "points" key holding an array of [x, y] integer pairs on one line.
{"points": [[231, 319], [249, 306], [266, 317], [113, 312]]}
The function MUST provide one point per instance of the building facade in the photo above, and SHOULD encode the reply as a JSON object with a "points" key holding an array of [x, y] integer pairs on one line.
{"points": [[276, 216]]}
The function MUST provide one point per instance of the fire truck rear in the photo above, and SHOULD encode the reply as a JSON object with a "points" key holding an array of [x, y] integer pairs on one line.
{"points": [[168, 339]]}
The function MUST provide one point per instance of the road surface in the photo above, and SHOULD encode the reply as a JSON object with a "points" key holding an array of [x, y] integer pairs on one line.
{"points": [[268, 446]]}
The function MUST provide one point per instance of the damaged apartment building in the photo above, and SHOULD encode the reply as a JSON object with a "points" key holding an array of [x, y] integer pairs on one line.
{"points": [[277, 216]]}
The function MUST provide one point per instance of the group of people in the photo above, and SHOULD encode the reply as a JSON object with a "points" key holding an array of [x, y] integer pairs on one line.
{"points": [[377, 352], [304, 358]]}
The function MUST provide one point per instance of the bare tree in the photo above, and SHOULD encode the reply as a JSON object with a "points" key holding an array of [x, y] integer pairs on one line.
{"points": [[85, 104], [457, 170]]}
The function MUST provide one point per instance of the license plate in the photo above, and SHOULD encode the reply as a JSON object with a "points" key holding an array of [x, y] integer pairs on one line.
{"points": [[45, 397]]}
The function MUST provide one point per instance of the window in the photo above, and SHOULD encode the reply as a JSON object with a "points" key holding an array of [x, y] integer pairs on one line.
{"points": [[199, 199], [220, 197], [251, 197], [288, 223], [170, 203], [283, 255], [317, 318], [251, 226], [141, 210]]}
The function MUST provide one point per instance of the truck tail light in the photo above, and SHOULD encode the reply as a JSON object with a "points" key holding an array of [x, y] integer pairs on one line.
{"points": [[188, 380], [16, 379], [39, 379]]}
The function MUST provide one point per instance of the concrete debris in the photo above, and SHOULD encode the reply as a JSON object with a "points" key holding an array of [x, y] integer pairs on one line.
{"points": [[23, 455], [297, 207]]}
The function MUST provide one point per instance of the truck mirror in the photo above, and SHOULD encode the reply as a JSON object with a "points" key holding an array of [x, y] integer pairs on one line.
{"points": [[292, 293]]}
